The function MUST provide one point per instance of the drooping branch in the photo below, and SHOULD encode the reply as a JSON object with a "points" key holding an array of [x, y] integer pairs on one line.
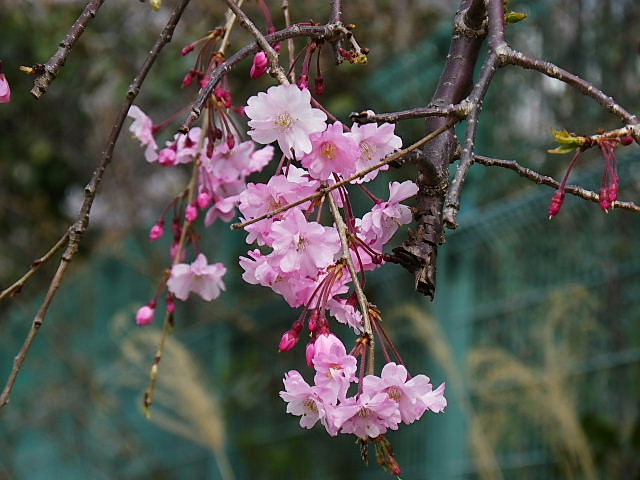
{"points": [[49, 71], [81, 225]]}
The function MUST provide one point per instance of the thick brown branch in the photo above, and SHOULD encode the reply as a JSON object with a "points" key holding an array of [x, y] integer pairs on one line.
{"points": [[545, 180], [42, 81], [418, 254], [82, 223]]}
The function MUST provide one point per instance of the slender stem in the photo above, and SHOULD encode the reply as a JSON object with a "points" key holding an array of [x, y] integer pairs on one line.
{"points": [[51, 68], [272, 55], [388, 159], [291, 48], [362, 299], [231, 19], [76, 230], [35, 266], [551, 182]]}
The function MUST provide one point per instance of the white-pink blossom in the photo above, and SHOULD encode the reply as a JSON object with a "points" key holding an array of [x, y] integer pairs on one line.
{"points": [[374, 143], [198, 277], [284, 114], [5, 89], [142, 129], [302, 399], [345, 312], [375, 414]]}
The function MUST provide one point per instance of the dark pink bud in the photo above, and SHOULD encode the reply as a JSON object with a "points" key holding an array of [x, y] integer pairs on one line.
{"points": [[605, 204], [314, 321], [188, 49], [556, 203], [626, 140], [191, 213], [276, 47], [231, 141], [167, 157], [171, 304], [320, 86], [157, 231], [260, 65], [146, 314], [189, 78], [288, 341], [303, 83], [204, 200]]}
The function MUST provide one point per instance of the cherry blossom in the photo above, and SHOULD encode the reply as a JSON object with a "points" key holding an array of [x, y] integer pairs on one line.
{"points": [[302, 399], [375, 143], [5, 89], [284, 114], [333, 152], [199, 277], [376, 412], [142, 129]]}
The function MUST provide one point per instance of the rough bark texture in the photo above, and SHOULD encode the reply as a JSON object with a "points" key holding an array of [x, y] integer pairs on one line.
{"points": [[419, 253]]}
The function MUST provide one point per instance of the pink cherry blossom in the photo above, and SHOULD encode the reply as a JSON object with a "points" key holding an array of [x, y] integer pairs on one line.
{"points": [[302, 246], [375, 143], [375, 414], [435, 400], [284, 114], [5, 90], [333, 152], [157, 231], [199, 277], [142, 129], [408, 394], [146, 314], [335, 370], [345, 312], [379, 225], [302, 399]]}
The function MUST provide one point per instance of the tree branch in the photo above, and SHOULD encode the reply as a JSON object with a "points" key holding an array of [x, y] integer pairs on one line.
{"points": [[545, 180], [50, 72], [368, 116], [82, 223]]}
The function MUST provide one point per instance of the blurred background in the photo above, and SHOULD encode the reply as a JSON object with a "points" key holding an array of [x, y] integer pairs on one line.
{"points": [[535, 327]]}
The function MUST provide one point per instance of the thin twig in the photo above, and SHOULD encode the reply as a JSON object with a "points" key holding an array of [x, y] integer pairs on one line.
{"points": [[421, 112], [35, 266], [327, 32], [82, 223], [452, 200], [551, 182], [50, 72], [276, 70], [291, 48], [362, 299], [388, 159], [509, 56]]}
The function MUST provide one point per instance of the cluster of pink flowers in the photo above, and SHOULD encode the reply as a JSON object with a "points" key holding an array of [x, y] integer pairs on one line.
{"points": [[382, 402]]}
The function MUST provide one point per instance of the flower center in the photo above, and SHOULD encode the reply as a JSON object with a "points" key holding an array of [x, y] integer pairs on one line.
{"points": [[395, 393], [283, 122], [310, 405], [328, 150], [368, 150], [365, 412]]}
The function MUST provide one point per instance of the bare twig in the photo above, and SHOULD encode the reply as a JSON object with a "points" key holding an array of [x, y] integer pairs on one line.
{"points": [[327, 32], [276, 70], [545, 180], [422, 112], [291, 48], [508, 56], [82, 223], [35, 266], [388, 159], [43, 80], [362, 299]]}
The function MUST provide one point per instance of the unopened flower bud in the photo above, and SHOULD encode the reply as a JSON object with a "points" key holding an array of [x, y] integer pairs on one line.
{"points": [[146, 314], [204, 200], [303, 83], [171, 304], [189, 78], [260, 65], [157, 231], [626, 140], [191, 213], [320, 86], [556, 203], [605, 204], [288, 341], [231, 141]]}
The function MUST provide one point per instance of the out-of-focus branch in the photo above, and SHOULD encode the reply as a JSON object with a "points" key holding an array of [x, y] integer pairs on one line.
{"points": [[275, 70], [545, 180], [76, 230], [291, 48], [50, 69]]}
